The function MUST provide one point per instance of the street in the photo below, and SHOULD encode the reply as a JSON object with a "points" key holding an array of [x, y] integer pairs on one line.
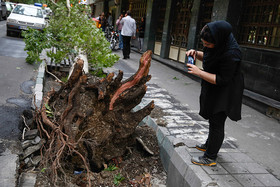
{"points": [[17, 77], [16, 81], [256, 134]]}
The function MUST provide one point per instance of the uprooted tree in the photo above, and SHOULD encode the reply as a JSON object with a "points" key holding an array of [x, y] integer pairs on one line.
{"points": [[89, 122]]}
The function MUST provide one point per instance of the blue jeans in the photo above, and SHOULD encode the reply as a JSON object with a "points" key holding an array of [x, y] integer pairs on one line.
{"points": [[120, 40]]}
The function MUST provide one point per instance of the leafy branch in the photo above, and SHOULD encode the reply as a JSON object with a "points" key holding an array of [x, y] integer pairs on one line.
{"points": [[67, 33]]}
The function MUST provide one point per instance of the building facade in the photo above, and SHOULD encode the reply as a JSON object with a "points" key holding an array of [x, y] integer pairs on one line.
{"points": [[173, 26]]}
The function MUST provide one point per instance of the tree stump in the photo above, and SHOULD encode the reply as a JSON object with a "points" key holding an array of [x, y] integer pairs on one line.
{"points": [[89, 122]]}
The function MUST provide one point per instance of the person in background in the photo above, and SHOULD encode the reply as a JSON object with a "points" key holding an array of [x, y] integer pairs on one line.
{"points": [[98, 21], [119, 27], [128, 32], [141, 31], [110, 20], [103, 21], [221, 86]]}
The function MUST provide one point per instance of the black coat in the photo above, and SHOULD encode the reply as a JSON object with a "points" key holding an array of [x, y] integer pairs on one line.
{"points": [[224, 61], [142, 29]]}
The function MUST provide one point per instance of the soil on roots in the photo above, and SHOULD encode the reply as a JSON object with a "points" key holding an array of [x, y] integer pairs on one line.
{"points": [[137, 167]]}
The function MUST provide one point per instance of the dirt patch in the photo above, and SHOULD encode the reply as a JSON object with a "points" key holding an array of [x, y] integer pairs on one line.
{"points": [[137, 167]]}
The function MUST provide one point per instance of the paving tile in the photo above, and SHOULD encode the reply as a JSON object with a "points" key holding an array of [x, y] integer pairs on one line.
{"points": [[229, 150], [225, 157], [241, 157], [268, 179], [190, 143], [248, 180], [196, 176], [193, 150], [215, 170], [235, 168], [255, 168], [226, 181]]}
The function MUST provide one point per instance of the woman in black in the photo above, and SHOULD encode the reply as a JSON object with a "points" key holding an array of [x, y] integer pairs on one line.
{"points": [[221, 87]]}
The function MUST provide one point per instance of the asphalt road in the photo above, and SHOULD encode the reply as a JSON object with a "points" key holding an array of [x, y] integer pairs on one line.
{"points": [[256, 134], [16, 81]]}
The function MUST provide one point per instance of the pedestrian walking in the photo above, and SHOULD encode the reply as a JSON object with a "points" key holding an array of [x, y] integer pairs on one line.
{"points": [[128, 32], [119, 27], [141, 31], [110, 19], [221, 87]]}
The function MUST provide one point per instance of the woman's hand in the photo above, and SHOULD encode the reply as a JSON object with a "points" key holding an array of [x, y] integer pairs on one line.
{"points": [[209, 77], [192, 53], [193, 69]]}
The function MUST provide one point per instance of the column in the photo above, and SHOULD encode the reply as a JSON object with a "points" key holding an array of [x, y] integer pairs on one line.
{"points": [[193, 31], [165, 43], [149, 39]]}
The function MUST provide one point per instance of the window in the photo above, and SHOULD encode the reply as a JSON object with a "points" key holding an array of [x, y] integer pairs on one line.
{"points": [[260, 24], [139, 10], [28, 11], [181, 22]]}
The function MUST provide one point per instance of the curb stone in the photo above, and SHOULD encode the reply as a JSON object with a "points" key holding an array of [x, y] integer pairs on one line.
{"points": [[28, 179], [38, 90]]}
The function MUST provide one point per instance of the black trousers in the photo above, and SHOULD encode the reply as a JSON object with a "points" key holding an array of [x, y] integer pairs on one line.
{"points": [[126, 46], [216, 134]]}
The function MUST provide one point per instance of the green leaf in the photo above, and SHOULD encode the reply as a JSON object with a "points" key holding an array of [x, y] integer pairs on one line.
{"points": [[43, 170]]}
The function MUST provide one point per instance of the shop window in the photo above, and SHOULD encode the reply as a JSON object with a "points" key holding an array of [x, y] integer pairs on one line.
{"points": [[139, 10], [260, 24], [181, 22]]}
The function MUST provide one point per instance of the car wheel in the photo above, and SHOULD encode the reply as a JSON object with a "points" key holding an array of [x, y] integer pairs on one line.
{"points": [[8, 33]]}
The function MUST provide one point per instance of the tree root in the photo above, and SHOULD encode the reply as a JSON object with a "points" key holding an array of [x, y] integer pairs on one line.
{"points": [[91, 122]]}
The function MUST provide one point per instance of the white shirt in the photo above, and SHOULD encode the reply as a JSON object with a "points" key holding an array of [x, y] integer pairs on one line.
{"points": [[129, 26]]}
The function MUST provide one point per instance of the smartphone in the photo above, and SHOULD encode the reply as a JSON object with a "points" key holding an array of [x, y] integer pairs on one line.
{"points": [[189, 60]]}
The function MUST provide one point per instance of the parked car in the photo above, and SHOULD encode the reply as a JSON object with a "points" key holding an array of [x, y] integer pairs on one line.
{"points": [[10, 6], [24, 16], [3, 10]]}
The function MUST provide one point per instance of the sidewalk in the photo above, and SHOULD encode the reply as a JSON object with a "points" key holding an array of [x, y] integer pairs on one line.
{"points": [[185, 128]]}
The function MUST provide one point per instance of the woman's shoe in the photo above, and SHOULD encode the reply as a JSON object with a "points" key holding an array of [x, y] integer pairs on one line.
{"points": [[203, 161], [201, 147]]}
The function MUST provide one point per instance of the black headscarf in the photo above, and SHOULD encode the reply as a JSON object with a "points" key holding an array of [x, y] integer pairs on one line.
{"points": [[224, 41]]}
